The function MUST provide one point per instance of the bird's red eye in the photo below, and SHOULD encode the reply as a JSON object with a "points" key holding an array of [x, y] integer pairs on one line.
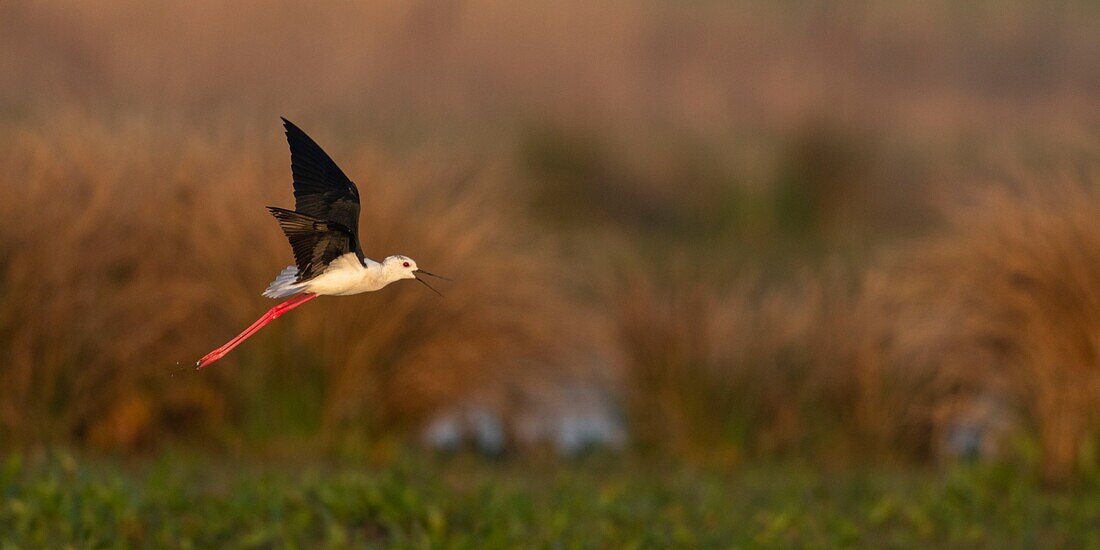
{"points": [[406, 264]]}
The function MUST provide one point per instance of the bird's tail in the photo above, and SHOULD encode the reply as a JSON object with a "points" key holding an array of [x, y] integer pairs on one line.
{"points": [[285, 284]]}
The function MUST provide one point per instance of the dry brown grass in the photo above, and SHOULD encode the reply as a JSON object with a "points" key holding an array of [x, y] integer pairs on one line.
{"points": [[132, 247], [1001, 305], [752, 369], [1005, 301], [97, 299], [138, 150]]}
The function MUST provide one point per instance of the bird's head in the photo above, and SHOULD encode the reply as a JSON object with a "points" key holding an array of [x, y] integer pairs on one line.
{"points": [[404, 267]]}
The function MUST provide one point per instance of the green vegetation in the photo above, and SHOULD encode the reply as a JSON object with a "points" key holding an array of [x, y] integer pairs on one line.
{"points": [[466, 502]]}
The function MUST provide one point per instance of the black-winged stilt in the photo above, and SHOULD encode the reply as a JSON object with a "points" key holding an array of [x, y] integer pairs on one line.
{"points": [[323, 232]]}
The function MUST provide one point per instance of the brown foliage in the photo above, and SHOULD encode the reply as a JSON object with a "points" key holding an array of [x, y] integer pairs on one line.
{"points": [[1005, 301], [769, 369], [1002, 304], [138, 151], [128, 249]]}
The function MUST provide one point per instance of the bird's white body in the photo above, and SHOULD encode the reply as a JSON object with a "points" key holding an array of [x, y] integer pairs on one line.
{"points": [[344, 276]]}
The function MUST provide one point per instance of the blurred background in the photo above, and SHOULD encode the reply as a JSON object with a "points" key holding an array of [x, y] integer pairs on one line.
{"points": [[716, 233]]}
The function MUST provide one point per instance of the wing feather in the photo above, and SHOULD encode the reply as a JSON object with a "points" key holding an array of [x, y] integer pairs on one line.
{"points": [[315, 242], [321, 190]]}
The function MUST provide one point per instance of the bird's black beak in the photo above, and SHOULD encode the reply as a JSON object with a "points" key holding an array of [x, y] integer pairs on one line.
{"points": [[418, 270], [425, 283]]}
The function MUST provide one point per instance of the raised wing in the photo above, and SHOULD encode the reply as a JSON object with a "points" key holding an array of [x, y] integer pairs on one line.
{"points": [[321, 190], [315, 242]]}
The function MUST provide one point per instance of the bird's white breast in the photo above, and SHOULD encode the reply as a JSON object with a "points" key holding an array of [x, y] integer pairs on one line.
{"points": [[347, 275]]}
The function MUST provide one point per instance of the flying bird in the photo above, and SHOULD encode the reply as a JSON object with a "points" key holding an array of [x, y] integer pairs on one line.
{"points": [[323, 230]]}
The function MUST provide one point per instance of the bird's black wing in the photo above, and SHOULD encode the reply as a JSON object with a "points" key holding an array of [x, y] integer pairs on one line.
{"points": [[316, 242], [321, 190]]}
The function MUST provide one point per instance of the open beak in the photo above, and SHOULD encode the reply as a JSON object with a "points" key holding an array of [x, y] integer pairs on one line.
{"points": [[425, 283], [418, 270]]}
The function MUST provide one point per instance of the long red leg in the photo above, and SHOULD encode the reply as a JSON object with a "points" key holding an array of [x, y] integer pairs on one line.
{"points": [[266, 318]]}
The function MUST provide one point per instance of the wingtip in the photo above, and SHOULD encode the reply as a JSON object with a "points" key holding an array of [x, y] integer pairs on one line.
{"points": [[283, 213]]}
